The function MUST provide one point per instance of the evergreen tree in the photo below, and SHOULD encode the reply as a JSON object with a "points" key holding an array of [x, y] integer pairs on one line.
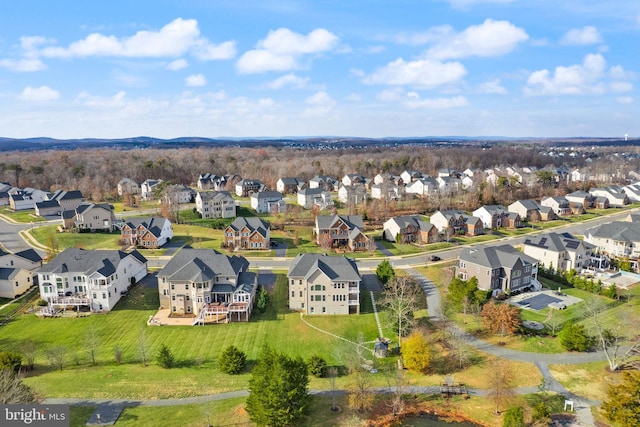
{"points": [[623, 405], [317, 366], [514, 417], [232, 361], [278, 393], [574, 337], [385, 272], [165, 357], [262, 300]]}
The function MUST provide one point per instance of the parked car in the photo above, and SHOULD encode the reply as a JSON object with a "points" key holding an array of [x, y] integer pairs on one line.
{"points": [[434, 258]]}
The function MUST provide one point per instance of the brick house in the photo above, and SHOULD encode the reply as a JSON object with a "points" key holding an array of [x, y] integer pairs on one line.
{"points": [[248, 233]]}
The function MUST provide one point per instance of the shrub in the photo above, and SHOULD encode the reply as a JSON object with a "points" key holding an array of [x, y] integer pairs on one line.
{"points": [[232, 361], [10, 360], [514, 417], [574, 337], [317, 366]]}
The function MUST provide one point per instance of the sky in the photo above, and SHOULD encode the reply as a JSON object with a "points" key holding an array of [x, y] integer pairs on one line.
{"points": [[274, 68]]}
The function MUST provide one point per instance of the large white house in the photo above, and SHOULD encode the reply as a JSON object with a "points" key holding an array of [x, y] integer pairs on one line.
{"points": [[561, 252], [268, 202], [215, 204], [95, 279]]}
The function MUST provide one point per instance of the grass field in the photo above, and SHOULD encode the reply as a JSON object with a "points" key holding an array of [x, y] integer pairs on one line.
{"points": [[45, 234], [22, 216]]}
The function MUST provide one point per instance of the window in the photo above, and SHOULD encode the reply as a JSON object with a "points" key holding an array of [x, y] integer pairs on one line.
{"points": [[104, 295], [324, 309], [173, 297], [164, 292], [94, 295], [293, 294], [173, 286], [300, 294], [516, 273], [186, 286]]}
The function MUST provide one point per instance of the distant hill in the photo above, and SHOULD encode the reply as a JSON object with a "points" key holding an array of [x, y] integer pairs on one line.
{"points": [[317, 142]]}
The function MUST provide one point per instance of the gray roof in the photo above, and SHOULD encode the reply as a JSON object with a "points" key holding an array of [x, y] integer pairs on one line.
{"points": [[491, 209], [311, 191], [327, 221], [621, 231], [579, 193], [495, 257], [252, 223], [48, 204], [29, 254], [415, 220], [66, 195], [556, 242], [153, 224], [215, 195], [200, 265], [87, 262], [8, 273], [336, 268], [290, 181], [267, 195], [529, 204], [83, 207]]}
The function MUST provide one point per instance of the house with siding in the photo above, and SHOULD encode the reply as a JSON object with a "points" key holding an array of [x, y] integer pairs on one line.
{"points": [[492, 216], [268, 202], [423, 187], [322, 284], [561, 252], [215, 204], [325, 182], [341, 230], [386, 191], [148, 233], [288, 185], [352, 194], [248, 233], [617, 238], [457, 222], [614, 194], [410, 229], [310, 197], [128, 186], [353, 179], [529, 210], [148, 187], [499, 269], [28, 259], [14, 282], [89, 217], [581, 198], [207, 286], [246, 187], [559, 205], [93, 279], [209, 181]]}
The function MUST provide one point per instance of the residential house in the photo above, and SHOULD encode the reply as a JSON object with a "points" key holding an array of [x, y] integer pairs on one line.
{"points": [[511, 220], [207, 286], [288, 185], [529, 210], [386, 191], [215, 204], [559, 204], [499, 269], [209, 181], [322, 284], [128, 186], [28, 259], [562, 252], [248, 233], [492, 216], [582, 198], [576, 175], [178, 194], [613, 193], [90, 217], [423, 187], [47, 208], [453, 220], [14, 282], [547, 213], [410, 229], [246, 187], [67, 200], [148, 189], [310, 197], [387, 178], [410, 175], [448, 185], [148, 233], [94, 279], [26, 198], [341, 230], [352, 194], [475, 227], [325, 182], [632, 191], [353, 179], [601, 203], [617, 238], [268, 202]]}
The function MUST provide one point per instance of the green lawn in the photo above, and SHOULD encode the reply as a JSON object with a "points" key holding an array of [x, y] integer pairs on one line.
{"points": [[44, 234], [196, 348], [22, 216]]}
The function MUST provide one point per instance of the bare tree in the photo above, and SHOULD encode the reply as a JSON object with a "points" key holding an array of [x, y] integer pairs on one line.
{"points": [[361, 395], [460, 350], [501, 380], [400, 298], [618, 345], [332, 376], [92, 342], [29, 349], [143, 346], [396, 382], [553, 322], [56, 356], [12, 389]]}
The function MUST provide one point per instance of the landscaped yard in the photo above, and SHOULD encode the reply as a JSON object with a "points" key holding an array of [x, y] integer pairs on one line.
{"points": [[22, 216], [45, 234]]}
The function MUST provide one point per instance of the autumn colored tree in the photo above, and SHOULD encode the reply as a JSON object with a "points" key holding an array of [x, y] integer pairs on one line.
{"points": [[416, 355], [623, 404], [500, 318], [501, 383]]}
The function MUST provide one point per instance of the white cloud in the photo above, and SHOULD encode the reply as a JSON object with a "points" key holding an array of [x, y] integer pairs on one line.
{"points": [[390, 95], [39, 94], [288, 80], [116, 101], [282, 48], [320, 103], [582, 36], [619, 73], [621, 87], [195, 80], [492, 86], [624, 100], [491, 38], [177, 64], [23, 64], [422, 73], [432, 35], [177, 38], [437, 103], [354, 97], [576, 79]]}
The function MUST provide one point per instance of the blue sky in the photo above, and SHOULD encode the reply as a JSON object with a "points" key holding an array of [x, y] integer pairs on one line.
{"points": [[372, 68]]}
